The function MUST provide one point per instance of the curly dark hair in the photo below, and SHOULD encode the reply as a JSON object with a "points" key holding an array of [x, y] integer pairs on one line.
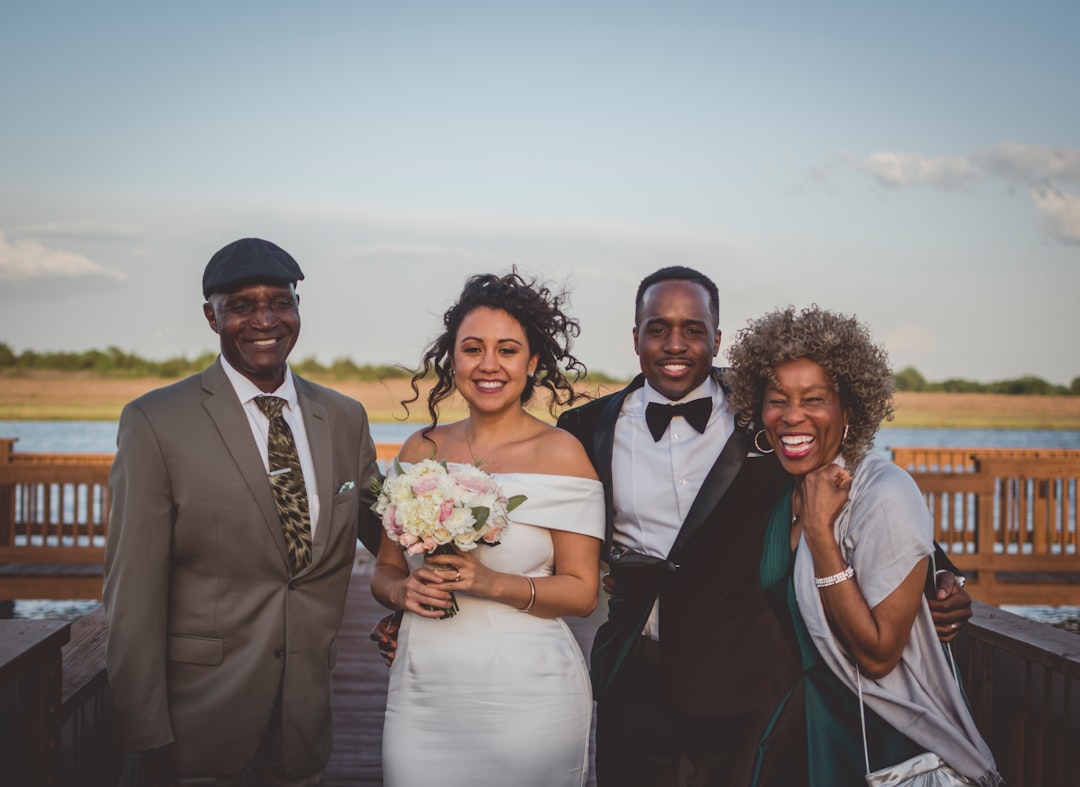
{"points": [[843, 347], [549, 332]]}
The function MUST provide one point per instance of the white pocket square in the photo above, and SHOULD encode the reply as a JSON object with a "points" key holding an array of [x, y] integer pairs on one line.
{"points": [[346, 487]]}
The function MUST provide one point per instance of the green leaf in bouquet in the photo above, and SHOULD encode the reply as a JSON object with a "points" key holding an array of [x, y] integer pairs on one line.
{"points": [[514, 502], [397, 467], [480, 514]]}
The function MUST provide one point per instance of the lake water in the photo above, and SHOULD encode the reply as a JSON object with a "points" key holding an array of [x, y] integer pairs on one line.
{"points": [[100, 437]]}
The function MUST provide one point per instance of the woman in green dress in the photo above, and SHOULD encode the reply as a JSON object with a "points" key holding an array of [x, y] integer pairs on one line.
{"points": [[846, 556]]}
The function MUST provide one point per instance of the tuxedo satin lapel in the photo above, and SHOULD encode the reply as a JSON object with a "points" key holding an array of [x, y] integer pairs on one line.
{"points": [[228, 415], [716, 483], [603, 446], [317, 425]]}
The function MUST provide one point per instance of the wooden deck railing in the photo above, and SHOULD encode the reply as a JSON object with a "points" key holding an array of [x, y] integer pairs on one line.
{"points": [[54, 514], [1022, 679], [1007, 517]]}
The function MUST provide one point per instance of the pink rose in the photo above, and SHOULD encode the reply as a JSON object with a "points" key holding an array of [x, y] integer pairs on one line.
{"points": [[446, 510], [472, 482], [407, 539], [416, 548], [425, 484], [493, 535], [390, 517], [429, 544]]}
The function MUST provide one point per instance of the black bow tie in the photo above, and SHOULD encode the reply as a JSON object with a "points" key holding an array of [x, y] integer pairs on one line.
{"points": [[696, 413]]}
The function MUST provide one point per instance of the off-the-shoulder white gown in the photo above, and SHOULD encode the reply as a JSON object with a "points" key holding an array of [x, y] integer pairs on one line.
{"points": [[493, 696]]}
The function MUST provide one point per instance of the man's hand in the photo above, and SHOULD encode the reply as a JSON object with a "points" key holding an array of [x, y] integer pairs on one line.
{"points": [[952, 607], [385, 634]]}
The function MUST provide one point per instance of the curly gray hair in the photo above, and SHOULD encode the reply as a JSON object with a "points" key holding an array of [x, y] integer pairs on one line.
{"points": [[841, 344]]}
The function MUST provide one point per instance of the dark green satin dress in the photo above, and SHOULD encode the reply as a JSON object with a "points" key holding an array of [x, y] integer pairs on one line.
{"points": [[813, 737]]}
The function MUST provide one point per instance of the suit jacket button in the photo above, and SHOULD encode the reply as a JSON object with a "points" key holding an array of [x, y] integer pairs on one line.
{"points": [[279, 653], [294, 584]]}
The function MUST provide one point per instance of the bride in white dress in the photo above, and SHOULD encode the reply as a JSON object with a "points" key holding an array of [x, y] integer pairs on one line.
{"points": [[498, 694]]}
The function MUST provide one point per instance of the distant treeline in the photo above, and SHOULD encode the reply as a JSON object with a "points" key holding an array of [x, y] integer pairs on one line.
{"points": [[909, 379], [114, 362], [117, 363]]}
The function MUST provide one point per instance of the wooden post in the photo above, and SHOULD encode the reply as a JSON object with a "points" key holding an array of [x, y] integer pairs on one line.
{"points": [[30, 655]]}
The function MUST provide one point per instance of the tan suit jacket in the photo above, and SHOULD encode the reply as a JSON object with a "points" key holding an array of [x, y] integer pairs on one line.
{"points": [[206, 626]]}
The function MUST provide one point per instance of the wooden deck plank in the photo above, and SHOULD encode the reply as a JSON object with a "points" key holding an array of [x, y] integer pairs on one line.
{"points": [[360, 680]]}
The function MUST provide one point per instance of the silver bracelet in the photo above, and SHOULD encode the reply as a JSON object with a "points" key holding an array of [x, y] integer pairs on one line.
{"points": [[835, 579], [532, 594]]}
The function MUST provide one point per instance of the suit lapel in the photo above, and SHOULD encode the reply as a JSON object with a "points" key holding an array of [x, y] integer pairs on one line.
{"points": [[317, 425], [717, 481], [603, 446], [228, 415], [716, 484]]}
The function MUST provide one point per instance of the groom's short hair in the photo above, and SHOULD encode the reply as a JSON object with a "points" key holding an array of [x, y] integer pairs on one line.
{"points": [[679, 273]]}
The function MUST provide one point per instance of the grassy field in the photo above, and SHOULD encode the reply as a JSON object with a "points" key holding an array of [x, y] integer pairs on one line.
{"points": [[44, 396]]}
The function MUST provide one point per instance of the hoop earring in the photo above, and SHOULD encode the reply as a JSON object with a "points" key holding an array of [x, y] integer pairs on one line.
{"points": [[758, 447], [844, 438]]}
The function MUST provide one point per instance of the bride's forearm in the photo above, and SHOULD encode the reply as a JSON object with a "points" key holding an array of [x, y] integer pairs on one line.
{"points": [[545, 597]]}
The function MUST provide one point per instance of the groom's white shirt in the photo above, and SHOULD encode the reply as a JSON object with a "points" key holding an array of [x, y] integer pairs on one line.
{"points": [[654, 483]]}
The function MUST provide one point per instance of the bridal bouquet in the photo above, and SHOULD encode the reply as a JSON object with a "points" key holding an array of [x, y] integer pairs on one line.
{"points": [[431, 508]]}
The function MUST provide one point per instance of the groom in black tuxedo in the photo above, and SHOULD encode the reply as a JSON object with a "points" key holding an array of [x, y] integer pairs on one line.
{"points": [[692, 658]]}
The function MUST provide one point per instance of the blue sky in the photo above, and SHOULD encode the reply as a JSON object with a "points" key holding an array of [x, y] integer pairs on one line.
{"points": [[916, 164]]}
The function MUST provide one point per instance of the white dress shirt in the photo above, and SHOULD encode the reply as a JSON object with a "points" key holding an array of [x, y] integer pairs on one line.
{"points": [[654, 483], [247, 392]]}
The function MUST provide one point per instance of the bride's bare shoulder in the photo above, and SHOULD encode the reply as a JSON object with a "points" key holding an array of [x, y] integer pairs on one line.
{"points": [[419, 446], [560, 453]]}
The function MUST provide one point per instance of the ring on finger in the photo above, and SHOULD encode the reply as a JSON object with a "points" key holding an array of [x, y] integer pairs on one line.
{"points": [[457, 577]]}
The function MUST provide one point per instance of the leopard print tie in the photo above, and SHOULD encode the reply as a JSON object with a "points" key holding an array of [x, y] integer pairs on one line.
{"points": [[287, 482]]}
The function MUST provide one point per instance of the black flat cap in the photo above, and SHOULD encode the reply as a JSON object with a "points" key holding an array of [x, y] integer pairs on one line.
{"points": [[247, 261]]}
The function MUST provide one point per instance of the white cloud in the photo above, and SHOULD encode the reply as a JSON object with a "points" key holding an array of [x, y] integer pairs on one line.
{"points": [[903, 170], [1033, 165], [1052, 174], [29, 259], [1061, 214]]}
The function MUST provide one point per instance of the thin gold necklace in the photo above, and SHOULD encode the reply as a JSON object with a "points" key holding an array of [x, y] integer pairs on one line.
{"points": [[468, 442]]}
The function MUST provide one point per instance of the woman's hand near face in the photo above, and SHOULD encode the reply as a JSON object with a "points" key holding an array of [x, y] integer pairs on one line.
{"points": [[824, 492]]}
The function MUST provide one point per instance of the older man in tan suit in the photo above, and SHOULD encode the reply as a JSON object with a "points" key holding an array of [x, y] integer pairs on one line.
{"points": [[237, 498]]}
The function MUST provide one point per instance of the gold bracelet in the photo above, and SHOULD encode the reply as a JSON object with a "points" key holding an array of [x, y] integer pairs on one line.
{"points": [[532, 594]]}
